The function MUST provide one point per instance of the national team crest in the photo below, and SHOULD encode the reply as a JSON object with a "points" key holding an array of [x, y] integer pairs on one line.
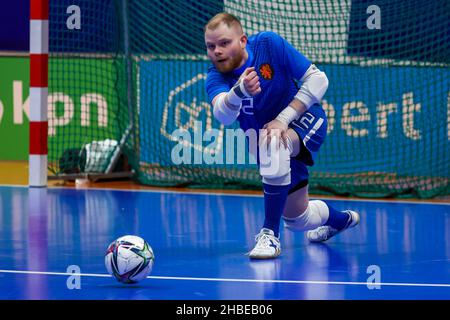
{"points": [[266, 71]]}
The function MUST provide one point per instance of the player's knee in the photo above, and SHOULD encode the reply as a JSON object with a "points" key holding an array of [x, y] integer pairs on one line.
{"points": [[320, 209], [275, 165]]}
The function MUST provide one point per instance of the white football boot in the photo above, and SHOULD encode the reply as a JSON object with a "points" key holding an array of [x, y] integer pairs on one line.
{"points": [[267, 245], [324, 233]]}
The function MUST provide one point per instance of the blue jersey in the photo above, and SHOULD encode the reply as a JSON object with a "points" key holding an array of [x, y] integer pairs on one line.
{"points": [[279, 66]]}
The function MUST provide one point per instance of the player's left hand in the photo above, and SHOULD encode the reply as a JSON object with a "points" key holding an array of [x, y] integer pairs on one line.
{"points": [[275, 129]]}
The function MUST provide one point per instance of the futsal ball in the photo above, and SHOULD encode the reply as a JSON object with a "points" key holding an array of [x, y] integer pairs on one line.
{"points": [[129, 259]]}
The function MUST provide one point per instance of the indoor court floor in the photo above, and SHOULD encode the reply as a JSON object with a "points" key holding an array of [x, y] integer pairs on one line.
{"points": [[400, 250]]}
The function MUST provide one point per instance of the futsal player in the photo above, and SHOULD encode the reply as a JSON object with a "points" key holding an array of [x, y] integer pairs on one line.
{"points": [[268, 86]]}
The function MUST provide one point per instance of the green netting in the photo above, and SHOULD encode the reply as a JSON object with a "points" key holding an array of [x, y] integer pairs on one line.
{"points": [[388, 103], [87, 80]]}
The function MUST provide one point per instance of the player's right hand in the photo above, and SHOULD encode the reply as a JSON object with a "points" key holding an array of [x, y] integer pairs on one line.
{"points": [[250, 80]]}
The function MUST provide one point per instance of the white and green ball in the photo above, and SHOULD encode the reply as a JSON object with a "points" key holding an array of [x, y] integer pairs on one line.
{"points": [[129, 259]]}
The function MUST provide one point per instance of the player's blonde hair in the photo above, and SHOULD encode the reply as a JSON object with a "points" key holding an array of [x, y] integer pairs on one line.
{"points": [[223, 17]]}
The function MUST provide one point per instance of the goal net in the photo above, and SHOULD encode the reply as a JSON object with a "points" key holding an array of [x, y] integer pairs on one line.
{"points": [[134, 73]]}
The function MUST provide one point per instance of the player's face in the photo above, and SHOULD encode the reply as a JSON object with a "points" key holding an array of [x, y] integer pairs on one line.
{"points": [[226, 47]]}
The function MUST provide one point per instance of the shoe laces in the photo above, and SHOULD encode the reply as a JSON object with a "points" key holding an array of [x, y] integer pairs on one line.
{"points": [[323, 232], [265, 239]]}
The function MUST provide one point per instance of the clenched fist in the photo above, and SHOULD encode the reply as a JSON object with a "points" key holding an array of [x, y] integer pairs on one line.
{"points": [[250, 80]]}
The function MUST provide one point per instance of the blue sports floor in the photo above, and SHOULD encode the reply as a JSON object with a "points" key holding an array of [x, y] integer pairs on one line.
{"points": [[401, 250]]}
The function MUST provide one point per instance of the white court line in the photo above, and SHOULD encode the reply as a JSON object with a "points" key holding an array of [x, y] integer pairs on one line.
{"points": [[206, 193], [396, 284]]}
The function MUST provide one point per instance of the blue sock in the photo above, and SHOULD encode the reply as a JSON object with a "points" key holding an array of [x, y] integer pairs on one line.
{"points": [[337, 219], [274, 201]]}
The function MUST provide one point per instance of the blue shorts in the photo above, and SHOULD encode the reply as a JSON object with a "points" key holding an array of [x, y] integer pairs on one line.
{"points": [[311, 128]]}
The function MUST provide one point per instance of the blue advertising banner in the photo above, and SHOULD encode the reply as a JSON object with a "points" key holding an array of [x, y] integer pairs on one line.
{"points": [[97, 25], [15, 25], [400, 30], [379, 119], [97, 30]]}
